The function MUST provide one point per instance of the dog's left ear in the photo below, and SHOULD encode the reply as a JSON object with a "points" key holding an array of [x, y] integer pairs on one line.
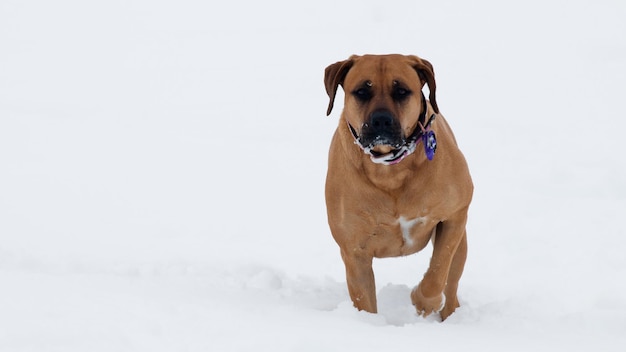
{"points": [[427, 76], [333, 77]]}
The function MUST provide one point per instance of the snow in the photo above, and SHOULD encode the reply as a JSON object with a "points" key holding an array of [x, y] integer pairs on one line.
{"points": [[163, 168]]}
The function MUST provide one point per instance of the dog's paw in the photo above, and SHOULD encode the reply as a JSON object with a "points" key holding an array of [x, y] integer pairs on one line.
{"points": [[425, 306], [449, 308]]}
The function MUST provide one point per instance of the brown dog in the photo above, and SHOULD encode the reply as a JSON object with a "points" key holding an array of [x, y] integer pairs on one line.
{"points": [[396, 178]]}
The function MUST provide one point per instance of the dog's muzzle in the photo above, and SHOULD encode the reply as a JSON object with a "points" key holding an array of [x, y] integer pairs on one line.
{"points": [[372, 136], [381, 138], [400, 149]]}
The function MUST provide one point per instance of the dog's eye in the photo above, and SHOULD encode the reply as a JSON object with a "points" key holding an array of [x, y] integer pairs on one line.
{"points": [[363, 94], [400, 94]]}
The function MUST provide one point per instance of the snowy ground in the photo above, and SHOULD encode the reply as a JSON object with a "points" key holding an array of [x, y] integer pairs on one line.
{"points": [[162, 170]]}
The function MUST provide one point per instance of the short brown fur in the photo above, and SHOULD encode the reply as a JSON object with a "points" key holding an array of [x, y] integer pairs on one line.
{"points": [[368, 204]]}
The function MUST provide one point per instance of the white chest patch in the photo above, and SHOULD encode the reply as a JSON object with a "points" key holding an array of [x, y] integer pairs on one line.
{"points": [[407, 224]]}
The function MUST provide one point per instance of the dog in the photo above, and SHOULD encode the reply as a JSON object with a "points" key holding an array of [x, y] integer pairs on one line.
{"points": [[396, 178]]}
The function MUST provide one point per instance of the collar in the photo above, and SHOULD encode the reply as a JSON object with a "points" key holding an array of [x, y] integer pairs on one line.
{"points": [[422, 133]]}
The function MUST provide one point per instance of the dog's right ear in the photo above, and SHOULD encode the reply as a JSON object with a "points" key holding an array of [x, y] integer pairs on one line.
{"points": [[333, 77]]}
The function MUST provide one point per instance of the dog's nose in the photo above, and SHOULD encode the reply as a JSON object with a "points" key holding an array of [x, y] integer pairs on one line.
{"points": [[381, 120]]}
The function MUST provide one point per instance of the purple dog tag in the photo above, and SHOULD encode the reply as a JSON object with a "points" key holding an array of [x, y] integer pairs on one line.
{"points": [[430, 144]]}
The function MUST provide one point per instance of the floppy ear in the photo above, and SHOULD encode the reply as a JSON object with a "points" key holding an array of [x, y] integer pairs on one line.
{"points": [[427, 75], [333, 77]]}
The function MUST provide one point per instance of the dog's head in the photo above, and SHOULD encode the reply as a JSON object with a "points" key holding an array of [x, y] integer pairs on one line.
{"points": [[383, 97]]}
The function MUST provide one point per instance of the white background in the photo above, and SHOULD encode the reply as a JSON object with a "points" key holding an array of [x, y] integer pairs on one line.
{"points": [[162, 168]]}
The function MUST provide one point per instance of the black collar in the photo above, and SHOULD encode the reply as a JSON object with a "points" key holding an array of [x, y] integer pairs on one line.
{"points": [[422, 124]]}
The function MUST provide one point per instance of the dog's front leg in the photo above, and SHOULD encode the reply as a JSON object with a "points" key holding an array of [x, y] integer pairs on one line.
{"points": [[360, 277], [449, 252]]}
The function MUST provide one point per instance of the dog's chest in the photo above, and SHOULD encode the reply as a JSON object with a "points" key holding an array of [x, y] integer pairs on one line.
{"points": [[406, 227], [400, 236]]}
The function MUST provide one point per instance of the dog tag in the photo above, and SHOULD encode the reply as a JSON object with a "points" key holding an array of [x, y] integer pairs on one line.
{"points": [[430, 144]]}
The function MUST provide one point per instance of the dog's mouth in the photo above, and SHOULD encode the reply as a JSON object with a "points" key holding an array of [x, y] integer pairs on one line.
{"points": [[385, 150], [387, 155], [382, 149], [390, 157], [389, 151]]}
